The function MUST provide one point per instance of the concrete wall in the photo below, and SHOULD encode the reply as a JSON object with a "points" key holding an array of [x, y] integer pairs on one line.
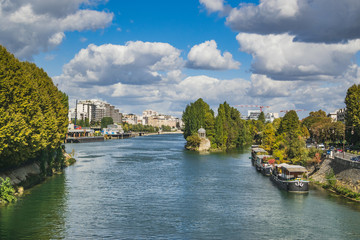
{"points": [[346, 164]]}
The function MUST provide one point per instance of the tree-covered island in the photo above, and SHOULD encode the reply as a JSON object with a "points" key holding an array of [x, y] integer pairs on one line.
{"points": [[284, 138], [33, 117]]}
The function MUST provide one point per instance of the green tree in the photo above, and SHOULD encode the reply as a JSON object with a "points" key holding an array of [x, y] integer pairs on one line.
{"points": [[194, 117], [7, 191], [33, 112], [268, 138], [105, 121], [262, 117], [352, 117], [193, 142], [166, 128], [290, 123]]}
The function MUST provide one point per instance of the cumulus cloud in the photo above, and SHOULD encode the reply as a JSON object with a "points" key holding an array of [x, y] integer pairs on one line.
{"points": [[315, 95], [41, 24], [212, 89], [207, 56], [213, 5], [309, 20], [262, 86], [280, 58], [136, 63]]}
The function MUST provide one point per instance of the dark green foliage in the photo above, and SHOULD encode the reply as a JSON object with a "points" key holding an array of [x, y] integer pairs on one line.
{"points": [[33, 112], [352, 117], [166, 128], [105, 121], [193, 141], [262, 117], [314, 117], [230, 130], [226, 131], [330, 177], [139, 128], [194, 117], [289, 123], [83, 123], [7, 191]]}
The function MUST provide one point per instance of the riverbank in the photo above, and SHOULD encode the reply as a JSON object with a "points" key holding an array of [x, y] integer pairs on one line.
{"points": [[340, 176], [160, 133], [31, 174]]}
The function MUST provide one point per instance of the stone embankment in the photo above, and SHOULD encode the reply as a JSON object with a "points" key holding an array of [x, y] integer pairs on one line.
{"points": [[204, 145], [30, 174], [346, 172], [22, 174]]}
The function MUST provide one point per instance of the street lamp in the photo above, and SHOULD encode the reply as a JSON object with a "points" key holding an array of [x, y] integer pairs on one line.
{"points": [[352, 133]]}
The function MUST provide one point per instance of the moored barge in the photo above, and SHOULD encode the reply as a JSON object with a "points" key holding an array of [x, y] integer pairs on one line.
{"points": [[262, 164], [289, 178]]}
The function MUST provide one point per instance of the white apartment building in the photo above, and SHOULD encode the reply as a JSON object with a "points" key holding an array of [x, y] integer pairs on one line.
{"points": [[94, 110], [270, 117]]}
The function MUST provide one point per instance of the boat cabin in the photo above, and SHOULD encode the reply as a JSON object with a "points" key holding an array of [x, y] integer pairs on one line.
{"points": [[290, 172], [262, 159]]}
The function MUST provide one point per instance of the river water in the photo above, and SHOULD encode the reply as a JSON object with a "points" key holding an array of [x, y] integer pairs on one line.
{"points": [[151, 188]]}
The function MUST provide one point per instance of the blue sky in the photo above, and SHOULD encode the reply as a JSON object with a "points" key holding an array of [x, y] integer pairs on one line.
{"points": [[136, 55]]}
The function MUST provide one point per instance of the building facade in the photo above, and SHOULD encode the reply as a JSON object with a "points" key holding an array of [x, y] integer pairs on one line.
{"points": [[94, 110]]}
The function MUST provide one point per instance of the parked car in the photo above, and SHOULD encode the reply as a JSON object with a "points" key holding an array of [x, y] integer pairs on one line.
{"points": [[321, 146], [356, 159], [339, 150]]}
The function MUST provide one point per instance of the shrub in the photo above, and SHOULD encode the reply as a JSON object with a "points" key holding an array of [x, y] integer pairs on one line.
{"points": [[330, 177], [7, 191], [193, 141]]}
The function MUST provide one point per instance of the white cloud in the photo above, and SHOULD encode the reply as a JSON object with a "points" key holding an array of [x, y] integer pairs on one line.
{"points": [[57, 38], [29, 27], [262, 86], [280, 58], [207, 56], [213, 5], [136, 63], [212, 89], [286, 95], [309, 20]]}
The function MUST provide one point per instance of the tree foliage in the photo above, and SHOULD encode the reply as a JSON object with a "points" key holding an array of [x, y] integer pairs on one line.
{"points": [[195, 115], [262, 117], [105, 121], [7, 191], [289, 123], [352, 117], [33, 112], [225, 131]]}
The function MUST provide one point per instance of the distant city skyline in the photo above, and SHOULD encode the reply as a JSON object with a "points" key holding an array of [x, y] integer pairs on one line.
{"points": [[162, 55]]}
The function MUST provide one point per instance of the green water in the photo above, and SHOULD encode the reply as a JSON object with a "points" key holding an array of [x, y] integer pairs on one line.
{"points": [[151, 188]]}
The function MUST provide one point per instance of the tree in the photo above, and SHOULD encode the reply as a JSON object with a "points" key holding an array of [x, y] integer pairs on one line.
{"points": [[33, 112], [193, 141], [290, 123], [262, 117], [226, 131], [166, 128], [268, 138], [194, 117], [105, 121], [352, 117]]}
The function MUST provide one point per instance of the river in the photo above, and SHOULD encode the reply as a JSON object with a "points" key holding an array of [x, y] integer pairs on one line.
{"points": [[151, 188]]}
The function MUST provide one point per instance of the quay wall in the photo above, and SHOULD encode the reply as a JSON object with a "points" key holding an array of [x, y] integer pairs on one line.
{"points": [[347, 172], [344, 163]]}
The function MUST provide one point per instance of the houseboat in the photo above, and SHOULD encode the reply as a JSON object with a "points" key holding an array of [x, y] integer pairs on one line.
{"points": [[262, 164], [290, 178], [256, 151]]}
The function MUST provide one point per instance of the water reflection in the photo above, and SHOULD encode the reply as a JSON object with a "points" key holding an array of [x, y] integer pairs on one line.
{"points": [[38, 215], [151, 188]]}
